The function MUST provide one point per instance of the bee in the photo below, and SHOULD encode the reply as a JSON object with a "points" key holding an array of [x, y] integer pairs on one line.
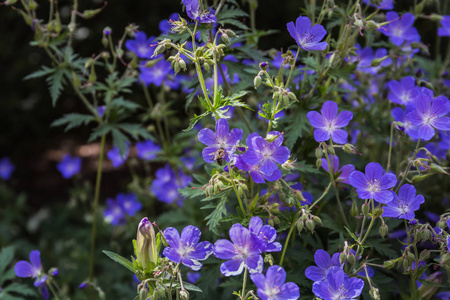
{"points": [[219, 156]]}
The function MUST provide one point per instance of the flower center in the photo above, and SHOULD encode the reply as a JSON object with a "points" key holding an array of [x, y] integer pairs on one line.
{"points": [[272, 291], [374, 186], [428, 118], [242, 251], [185, 250]]}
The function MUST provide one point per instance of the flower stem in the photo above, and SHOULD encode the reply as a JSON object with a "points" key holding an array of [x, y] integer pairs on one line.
{"points": [[292, 69], [244, 283], [94, 212], [235, 190], [53, 291], [294, 223], [390, 148]]}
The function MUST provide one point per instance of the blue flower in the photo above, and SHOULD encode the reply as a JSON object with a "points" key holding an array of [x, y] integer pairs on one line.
{"points": [[114, 213], [6, 168], [324, 262], [69, 166], [147, 150], [327, 123], [266, 154], [344, 172], [404, 205], [25, 269], [221, 144], [272, 286], [429, 113], [141, 46], [195, 13], [165, 25], [166, 185], [192, 277], [365, 57], [400, 116], [384, 4], [156, 74], [115, 157], [400, 29], [445, 29], [307, 37], [338, 285], [266, 235], [129, 203], [186, 249], [401, 92], [374, 184], [244, 250], [255, 172]]}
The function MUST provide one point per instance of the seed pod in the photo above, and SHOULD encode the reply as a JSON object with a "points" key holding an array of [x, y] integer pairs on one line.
{"points": [[206, 66], [354, 209], [371, 25], [271, 223], [424, 255], [317, 220], [184, 295], [225, 38], [268, 258], [330, 150], [318, 163], [318, 153], [276, 220], [159, 50], [389, 264], [351, 259], [405, 264], [292, 96]]}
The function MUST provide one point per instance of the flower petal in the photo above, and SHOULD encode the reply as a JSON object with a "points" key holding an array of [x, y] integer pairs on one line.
{"points": [[222, 128], [232, 267], [316, 119], [224, 249], [172, 237], [339, 136], [190, 236], [24, 269], [383, 196], [358, 180], [321, 135], [207, 136], [275, 276], [172, 254], [388, 181]]}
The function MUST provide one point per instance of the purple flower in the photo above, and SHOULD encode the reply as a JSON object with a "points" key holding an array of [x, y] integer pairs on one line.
{"points": [[101, 110], [329, 122], [167, 182], [244, 250], [374, 184], [186, 249], [445, 29], [129, 203], [402, 92], [272, 286], [115, 157], [338, 285], [141, 46], [147, 150], [221, 144], [192, 277], [195, 13], [400, 116], [156, 74], [344, 172], [324, 262], [6, 168], [25, 269], [165, 25], [365, 57], [266, 235], [69, 166], [114, 213], [429, 113], [307, 37], [400, 29], [405, 204], [266, 155], [255, 172], [384, 4]]}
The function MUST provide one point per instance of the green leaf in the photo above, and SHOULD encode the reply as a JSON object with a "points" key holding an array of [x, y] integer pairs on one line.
{"points": [[56, 82], [135, 130], [120, 141], [73, 120], [6, 256], [121, 260], [195, 119], [101, 130], [428, 283], [351, 233], [298, 126], [123, 103], [219, 211], [21, 289], [43, 72], [191, 287], [234, 22]]}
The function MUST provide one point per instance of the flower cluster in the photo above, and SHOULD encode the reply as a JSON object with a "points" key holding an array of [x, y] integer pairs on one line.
{"points": [[69, 166], [167, 183]]}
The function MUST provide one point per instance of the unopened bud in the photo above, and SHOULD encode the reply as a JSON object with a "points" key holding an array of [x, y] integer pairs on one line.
{"points": [[225, 38], [354, 209], [349, 148], [257, 81], [389, 264], [372, 25], [268, 258], [374, 293], [292, 96], [351, 259], [383, 230], [318, 163], [263, 66], [424, 255], [159, 50], [317, 220], [318, 153], [378, 212], [365, 209], [184, 295], [310, 225], [300, 226], [419, 73], [330, 150], [342, 258]]}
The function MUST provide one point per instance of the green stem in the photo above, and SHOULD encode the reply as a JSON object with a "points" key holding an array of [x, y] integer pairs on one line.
{"points": [[235, 189], [94, 212], [198, 68], [390, 148], [244, 283], [323, 195], [53, 291], [158, 121], [294, 223], [371, 223], [336, 192]]}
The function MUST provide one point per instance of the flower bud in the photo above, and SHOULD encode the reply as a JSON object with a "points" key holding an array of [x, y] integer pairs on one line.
{"points": [[374, 293], [318, 153], [354, 209], [365, 209], [184, 295], [268, 258], [342, 258], [318, 163], [300, 225], [257, 81], [351, 259], [330, 150], [263, 66], [317, 220], [292, 96], [424, 255], [372, 25], [225, 38], [349, 148], [159, 50], [310, 225], [377, 61], [383, 230], [389, 264], [378, 212], [147, 249]]}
